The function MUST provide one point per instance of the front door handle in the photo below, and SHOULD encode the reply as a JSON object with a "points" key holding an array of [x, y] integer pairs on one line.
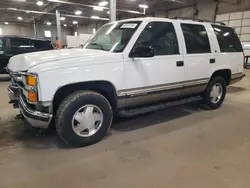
{"points": [[212, 60], [180, 63]]}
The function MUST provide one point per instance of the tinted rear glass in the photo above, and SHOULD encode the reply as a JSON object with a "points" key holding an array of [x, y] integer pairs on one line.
{"points": [[228, 39], [42, 45], [196, 38], [1, 44], [19, 43]]}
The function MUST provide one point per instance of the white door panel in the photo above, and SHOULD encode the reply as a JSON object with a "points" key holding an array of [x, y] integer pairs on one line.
{"points": [[158, 70], [198, 66], [154, 71]]}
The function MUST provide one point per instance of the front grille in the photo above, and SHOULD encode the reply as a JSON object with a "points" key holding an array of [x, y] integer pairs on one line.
{"points": [[17, 79]]}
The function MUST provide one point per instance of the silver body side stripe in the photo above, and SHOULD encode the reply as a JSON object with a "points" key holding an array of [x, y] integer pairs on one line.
{"points": [[163, 87]]}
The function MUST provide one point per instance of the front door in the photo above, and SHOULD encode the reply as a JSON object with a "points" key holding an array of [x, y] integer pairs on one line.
{"points": [[157, 78]]}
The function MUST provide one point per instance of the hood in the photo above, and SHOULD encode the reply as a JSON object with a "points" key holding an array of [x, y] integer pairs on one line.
{"points": [[23, 62]]}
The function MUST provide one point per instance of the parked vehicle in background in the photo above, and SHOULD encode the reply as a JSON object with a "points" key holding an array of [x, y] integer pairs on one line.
{"points": [[246, 48], [14, 45], [126, 68]]}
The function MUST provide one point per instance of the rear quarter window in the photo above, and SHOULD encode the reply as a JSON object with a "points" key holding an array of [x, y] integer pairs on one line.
{"points": [[227, 39], [42, 45]]}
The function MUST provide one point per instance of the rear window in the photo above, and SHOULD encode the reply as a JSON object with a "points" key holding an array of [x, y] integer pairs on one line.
{"points": [[228, 39], [196, 39]]}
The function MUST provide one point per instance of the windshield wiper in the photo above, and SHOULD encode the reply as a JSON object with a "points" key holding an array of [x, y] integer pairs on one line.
{"points": [[99, 45]]}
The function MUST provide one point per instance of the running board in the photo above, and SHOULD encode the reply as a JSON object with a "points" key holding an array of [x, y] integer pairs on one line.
{"points": [[126, 113]]}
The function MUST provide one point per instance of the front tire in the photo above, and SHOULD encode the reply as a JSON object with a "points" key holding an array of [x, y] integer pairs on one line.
{"points": [[215, 93], [83, 118]]}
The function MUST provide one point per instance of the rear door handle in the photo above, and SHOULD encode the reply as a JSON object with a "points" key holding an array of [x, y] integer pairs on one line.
{"points": [[180, 63], [212, 60]]}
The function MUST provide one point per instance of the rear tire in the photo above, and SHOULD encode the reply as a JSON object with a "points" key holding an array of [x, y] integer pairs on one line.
{"points": [[215, 93], [83, 118]]}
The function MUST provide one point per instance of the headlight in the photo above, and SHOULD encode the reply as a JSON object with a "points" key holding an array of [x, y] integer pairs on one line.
{"points": [[28, 83]]}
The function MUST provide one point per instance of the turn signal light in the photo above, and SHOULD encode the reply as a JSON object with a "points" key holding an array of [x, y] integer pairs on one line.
{"points": [[31, 80], [32, 96]]}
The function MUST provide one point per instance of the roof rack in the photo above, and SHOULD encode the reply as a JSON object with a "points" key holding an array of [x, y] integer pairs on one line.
{"points": [[198, 20]]}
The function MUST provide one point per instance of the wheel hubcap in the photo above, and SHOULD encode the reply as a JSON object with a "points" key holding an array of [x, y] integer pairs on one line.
{"points": [[87, 120], [216, 93]]}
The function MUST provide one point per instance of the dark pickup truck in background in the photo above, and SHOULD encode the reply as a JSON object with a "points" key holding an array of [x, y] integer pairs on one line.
{"points": [[14, 45]]}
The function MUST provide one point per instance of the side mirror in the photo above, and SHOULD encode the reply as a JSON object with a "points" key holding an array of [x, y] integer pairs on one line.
{"points": [[142, 51]]}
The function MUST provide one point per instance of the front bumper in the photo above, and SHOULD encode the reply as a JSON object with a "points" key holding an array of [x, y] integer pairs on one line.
{"points": [[35, 118], [13, 93]]}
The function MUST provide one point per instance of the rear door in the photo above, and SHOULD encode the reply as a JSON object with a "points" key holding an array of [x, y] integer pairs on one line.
{"points": [[199, 58]]}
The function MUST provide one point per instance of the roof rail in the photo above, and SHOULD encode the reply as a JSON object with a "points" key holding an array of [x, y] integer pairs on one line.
{"points": [[198, 20]]}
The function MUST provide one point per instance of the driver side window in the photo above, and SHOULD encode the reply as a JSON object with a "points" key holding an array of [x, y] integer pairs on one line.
{"points": [[161, 36]]}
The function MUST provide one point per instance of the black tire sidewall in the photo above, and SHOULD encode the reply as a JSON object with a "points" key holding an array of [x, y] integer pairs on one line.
{"points": [[65, 129], [207, 98]]}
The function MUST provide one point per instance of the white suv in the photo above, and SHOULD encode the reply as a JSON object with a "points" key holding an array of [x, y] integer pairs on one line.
{"points": [[125, 67]]}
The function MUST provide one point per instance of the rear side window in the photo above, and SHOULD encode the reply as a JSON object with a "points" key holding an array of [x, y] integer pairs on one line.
{"points": [[228, 39], [19, 43], [1, 46], [196, 38]]}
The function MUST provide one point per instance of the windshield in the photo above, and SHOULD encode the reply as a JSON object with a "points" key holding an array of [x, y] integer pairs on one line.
{"points": [[113, 37]]}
